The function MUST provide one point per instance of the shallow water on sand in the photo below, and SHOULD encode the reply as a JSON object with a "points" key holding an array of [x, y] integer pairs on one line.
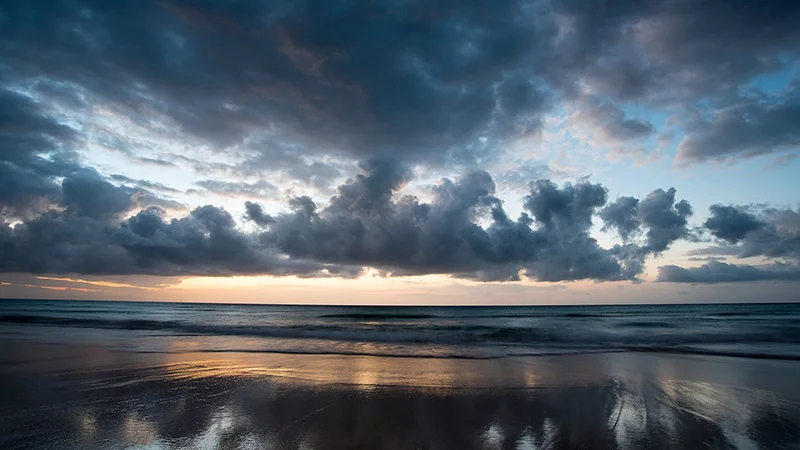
{"points": [[101, 375], [84, 397]]}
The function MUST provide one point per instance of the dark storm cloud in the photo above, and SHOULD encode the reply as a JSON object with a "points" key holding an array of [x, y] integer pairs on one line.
{"points": [[39, 168], [34, 149], [710, 46], [464, 231], [752, 127], [719, 272], [255, 212], [366, 224], [423, 81], [622, 216], [307, 87], [665, 219], [756, 231], [316, 74], [203, 243], [86, 193], [670, 54], [730, 224]]}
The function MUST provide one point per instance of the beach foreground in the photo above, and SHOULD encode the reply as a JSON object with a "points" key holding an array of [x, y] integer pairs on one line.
{"points": [[89, 397]]}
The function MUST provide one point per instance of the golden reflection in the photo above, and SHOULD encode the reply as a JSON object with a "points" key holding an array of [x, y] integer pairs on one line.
{"points": [[363, 372]]}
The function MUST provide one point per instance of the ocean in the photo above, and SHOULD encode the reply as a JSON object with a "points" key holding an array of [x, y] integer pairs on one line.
{"points": [[745, 330]]}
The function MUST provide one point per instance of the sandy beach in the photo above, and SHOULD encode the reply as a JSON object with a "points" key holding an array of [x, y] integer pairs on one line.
{"points": [[86, 397]]}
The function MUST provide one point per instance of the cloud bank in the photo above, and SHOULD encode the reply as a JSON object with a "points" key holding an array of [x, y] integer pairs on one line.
{"points": [[250, 92], [94, 228], [768, 233], [282, 85]]}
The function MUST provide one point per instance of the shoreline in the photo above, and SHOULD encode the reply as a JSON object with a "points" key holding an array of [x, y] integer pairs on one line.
{"points": [[45, 358], [80, 397]]}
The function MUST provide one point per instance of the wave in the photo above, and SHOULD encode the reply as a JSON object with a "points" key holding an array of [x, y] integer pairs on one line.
{"points": [[733, 314], [370, 316], [477, 355], [443, 334], [462, 340], [580, 315], [711, 352], [643, 324]]}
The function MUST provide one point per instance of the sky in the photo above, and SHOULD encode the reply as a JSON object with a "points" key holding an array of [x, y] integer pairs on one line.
{"points": [[400, 151]]}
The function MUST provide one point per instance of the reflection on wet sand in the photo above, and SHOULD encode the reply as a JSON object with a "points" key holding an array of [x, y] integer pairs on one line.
{"points": [[251, 401]]}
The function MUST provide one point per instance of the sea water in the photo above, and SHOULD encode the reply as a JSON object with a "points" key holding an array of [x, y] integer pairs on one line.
{"points": [[745, 330]]}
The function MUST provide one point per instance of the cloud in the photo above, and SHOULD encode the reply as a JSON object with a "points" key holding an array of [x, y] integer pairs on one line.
{"points": [[622, 216], [730, 224], [464, 231], [665, 219], [155, 161], [434, 82], [668, 51], [756, 231], [707, 258], [255, 213], [35, 150], [86, 193], [366, 224], [144, 184], [719, 272], [751, 127], [203, 243], [725, 250], [259, 188], [224, 73], [306, 91], [110, 284], [40, 169], [609, 125]]}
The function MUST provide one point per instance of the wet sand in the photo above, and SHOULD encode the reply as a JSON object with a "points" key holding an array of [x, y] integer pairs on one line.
{"points": [[84, 397]]}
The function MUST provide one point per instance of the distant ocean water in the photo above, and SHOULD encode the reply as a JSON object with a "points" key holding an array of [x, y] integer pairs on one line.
{"points": [[751, 330]]}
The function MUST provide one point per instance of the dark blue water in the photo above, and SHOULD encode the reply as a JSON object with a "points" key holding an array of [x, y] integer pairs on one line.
{"points": [[766, 330]]}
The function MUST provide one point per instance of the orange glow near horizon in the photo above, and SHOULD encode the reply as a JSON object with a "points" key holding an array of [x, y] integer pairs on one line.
{"points": [[96, 283], [370, 280]]}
